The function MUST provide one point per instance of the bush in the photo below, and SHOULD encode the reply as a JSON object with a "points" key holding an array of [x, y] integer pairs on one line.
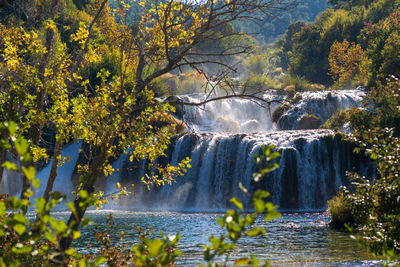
{"points": [[300, 83], [256, 64], [191, 82], [172, 81], [372, 205], [339, 209], [338, 120], [159, 87], [257, 82]]}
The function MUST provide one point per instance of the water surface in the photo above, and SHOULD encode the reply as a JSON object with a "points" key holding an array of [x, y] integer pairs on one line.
{"points": [[295, 239]]}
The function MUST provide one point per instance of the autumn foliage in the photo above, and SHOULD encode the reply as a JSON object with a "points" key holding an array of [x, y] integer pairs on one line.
{"points": [[346, 62]]}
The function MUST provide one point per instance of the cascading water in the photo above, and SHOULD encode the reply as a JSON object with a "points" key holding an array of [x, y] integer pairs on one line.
{"points": [[225, 136]]}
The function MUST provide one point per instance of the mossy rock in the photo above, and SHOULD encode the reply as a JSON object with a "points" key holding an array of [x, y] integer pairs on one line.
{"points": [[296, 98], [290, 91], [309, 121], [279, 111]]}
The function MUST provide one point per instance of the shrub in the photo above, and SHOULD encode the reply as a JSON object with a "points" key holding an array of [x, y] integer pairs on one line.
{"points": [[191, 82], [373, 203], [338, 120], [256, 64], [172, 81], [339, 209], [300, 83], [257, 82]]}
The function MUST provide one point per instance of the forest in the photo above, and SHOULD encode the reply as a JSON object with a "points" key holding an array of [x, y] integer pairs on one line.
{"points": [[199, 132]]}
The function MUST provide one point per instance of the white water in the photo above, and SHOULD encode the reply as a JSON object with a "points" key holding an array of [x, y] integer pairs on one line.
{"points": [[236, 115], [64, 172], [225, 137]]}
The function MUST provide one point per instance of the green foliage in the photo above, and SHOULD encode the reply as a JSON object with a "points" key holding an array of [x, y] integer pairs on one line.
{"points": [[148, 251], [371, 206], [258, 83], [35, 242], [270, 30], [71, 68], [381, 108], [369, 23], [340, 210], [300, 83], [338, 120], [257, 64], [383, 39]]}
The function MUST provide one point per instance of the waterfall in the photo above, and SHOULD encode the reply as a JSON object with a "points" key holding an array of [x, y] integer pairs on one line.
{"points": [[225, 135], [310, 171]]}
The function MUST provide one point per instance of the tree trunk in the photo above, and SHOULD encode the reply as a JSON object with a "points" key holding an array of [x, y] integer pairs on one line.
{"points": [[53, 171], [26, 184], [35, 132]]}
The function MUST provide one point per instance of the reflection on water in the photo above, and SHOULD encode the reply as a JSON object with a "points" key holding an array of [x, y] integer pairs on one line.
{"points": [[299, 239]]}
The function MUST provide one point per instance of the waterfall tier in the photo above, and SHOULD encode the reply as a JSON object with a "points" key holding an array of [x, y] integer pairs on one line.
{"points": [[236, 115], [312, 167]]}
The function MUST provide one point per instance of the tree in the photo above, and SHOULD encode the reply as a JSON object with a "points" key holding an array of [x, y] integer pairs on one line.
{"points": [[345, 62]]}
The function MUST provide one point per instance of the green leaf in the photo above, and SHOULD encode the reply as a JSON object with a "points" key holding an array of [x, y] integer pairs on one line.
{"points": [[242, 262], [270, 207], [12, 127], [237, 203], [76, 234], [220, 221], [70, 251], [71, 205], [243, 188], [100, 260], [19, 228], [256, 231], [272, 215], [83, 194], [249, 220], [19, 217], [215, 241], [254, 260], [23, 250], [261, 194], [59, 226], [10, 166], [2, 209], [154, 247], [51, 238], [36, 183], [21, 145], [2, 264], [29, 172], [40, 204], [258, 205]]}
